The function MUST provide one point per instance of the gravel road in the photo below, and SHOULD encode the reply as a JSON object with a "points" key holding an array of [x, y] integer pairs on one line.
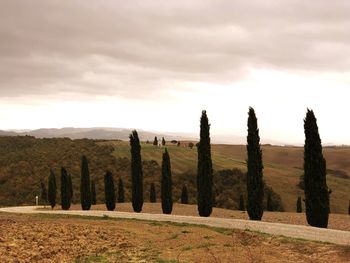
{"points": [[294, 231]]}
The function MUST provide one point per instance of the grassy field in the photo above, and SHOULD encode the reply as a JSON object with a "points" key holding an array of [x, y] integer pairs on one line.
{"points": [[282, 167], [62, 238]]}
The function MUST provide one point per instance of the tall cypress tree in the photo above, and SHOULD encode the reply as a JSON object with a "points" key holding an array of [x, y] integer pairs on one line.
{"points": [[316, 190], [349, 208], [93, 192], [109, 191], [184, 195], [52, 189], [166, 184], [85, 193], [70, 184], [241, 203], [155, 142], [152, 194], [255, 184], [136, 172], [65, 191], [121, 197], [299, 207], [163, 141], [205, 169], [43, 195]]}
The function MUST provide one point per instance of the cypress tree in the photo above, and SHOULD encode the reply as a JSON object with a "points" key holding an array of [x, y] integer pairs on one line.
{"points": [[163, 141], [241, 203], [93, 192], [85, 193], [109, 191], [316, 190], [205, 169], [65, 191], [121, 198], [43, 193], [70, 184], [255, 185], [349, 208], [155, 142], [52, 189], [136, 172], [299, 207], [166, 184], [269, 205], [184, 195], [152, 194]]}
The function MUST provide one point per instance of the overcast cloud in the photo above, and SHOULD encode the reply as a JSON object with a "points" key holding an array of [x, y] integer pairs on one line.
{"points": [[131, 48], [80, 50]]}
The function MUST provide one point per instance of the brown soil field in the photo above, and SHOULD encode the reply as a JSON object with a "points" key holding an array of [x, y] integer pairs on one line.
{"points": [[61, 238], [336, 221]]}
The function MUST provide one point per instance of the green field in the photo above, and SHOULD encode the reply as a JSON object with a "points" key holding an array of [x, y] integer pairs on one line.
{"points": [[282, 167]]}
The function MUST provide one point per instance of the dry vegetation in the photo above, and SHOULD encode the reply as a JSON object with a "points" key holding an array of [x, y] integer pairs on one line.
{"points": [[52, 238], [24, 161]]}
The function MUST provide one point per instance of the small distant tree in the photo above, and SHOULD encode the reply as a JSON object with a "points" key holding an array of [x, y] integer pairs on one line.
{"points": [[178, 144], [93, 192], [85, 191], [109, 191], [166, 184], [163, 141], [147, 142], [155, 142], [52, 189], [349, 208], [241, 203], [65, 191], [43, 195], [174, 141], [184, 195], [255, 184], [190, 144], [121, 197], [136, 172], [299, 206], [152, 194], [269, 205]]}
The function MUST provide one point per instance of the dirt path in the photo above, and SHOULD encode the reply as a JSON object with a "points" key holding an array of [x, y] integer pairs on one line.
{"points": [[294, 231]]}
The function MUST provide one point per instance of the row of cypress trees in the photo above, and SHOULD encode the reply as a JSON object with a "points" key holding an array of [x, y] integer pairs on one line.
{"points": [[316, 190], [87, 189]]}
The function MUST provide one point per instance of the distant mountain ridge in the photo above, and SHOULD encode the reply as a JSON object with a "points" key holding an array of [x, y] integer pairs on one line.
{"points": [[110, 133]]}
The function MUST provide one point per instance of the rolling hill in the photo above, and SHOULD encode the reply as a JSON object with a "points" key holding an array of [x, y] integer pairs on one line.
{"points": [[282, 167]]}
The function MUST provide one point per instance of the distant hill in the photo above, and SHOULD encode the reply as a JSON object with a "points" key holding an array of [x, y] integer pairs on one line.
{"points": [[110, 133]]}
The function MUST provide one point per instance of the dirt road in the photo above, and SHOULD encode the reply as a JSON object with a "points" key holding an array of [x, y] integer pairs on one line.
{"points": [[294, 231]]}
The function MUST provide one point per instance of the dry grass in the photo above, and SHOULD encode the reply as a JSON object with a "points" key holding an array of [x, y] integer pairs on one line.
{"points": [[282, 167], [41, 238]]}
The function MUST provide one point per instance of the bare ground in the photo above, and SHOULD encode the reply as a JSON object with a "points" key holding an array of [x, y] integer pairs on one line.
{"points": [[63, 238]]}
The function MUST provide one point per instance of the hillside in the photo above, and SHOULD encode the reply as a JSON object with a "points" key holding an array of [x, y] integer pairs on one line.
{"points": [[25, 161], [282, 167]]}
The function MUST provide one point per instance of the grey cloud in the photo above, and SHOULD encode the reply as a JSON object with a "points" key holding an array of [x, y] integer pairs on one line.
{"points": [[124, 47]]}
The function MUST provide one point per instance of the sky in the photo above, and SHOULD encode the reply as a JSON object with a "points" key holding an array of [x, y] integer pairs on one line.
{"points": [[155, 65]]}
